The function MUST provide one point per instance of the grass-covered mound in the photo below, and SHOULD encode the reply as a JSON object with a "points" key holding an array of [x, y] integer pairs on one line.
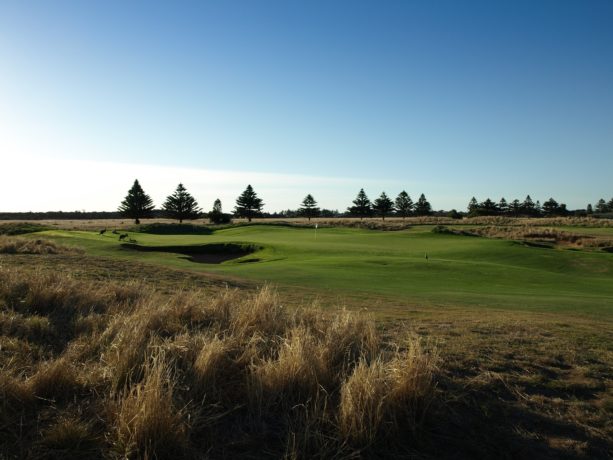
{"points": [[90, 370], [16, 245], [173, 229], [21, 228], [204, 253]]}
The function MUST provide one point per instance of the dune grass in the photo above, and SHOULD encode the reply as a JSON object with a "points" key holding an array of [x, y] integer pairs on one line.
{"points": [[117, 370]]}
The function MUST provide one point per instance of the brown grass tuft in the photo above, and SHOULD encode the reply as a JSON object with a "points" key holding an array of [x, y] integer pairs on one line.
{"points": [[147, 422]]}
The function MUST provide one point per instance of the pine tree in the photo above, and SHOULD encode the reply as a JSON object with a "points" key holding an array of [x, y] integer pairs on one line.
{"points": [[550, 207], [601, 206], [383, 205], [515, 207], [610, 205], [137, 204], [527, 206], [361, 205], [422, 207], [590, 210], [309, 208], [181, 205], [248, 204], [473, 207], [216, 215], [404, 204], [488, 207], [503, 206]]}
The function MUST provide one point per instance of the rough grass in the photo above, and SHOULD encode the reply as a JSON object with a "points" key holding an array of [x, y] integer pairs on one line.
{"points": [[121, 371], [16, 245]]}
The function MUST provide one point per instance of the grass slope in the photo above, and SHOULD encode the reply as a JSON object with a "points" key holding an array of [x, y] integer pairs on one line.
{"points": [[460, 270]]}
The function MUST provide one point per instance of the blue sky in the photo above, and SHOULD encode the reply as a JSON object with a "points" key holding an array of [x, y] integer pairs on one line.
{"points": [[452, 99]]}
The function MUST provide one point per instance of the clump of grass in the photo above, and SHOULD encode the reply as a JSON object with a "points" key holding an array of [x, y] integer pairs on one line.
{"points": [[16, 245], [21, 228], [148, 424], [55, 380], [192, 371], [68, 438]]}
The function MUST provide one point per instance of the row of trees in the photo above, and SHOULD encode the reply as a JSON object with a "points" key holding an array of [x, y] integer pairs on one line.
{"points": [[528, 207], [181, 205], [383, 206]]}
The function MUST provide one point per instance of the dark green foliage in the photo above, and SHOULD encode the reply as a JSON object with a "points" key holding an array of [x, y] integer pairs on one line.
{"points": [[590, 210], [503, 206], [137, 204], [217, 216], [528, 207], [404, 204], [181, 205], [601, 206], [309, 208], [423, 207], [361, 205], [175, 229], [21, 228], [515, 207], [550, 207], [383, 205], [473, 206], [248, 204]]}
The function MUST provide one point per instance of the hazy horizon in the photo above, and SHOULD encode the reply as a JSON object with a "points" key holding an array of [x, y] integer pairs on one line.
{"points": [[448, 99]]}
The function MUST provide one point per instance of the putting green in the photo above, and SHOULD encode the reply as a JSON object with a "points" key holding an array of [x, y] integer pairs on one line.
{"points": [[459, 270]]}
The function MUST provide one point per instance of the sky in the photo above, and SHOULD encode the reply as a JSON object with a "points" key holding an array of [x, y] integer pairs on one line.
{"points": [[446, 98]]}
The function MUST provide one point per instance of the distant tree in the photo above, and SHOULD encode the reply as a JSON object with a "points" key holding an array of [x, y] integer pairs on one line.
{"points": [[309, 208], [527, 206], [329, 213], [473, 206], [248, 204], [137, 204], [601, 206], [515, 207], [422, 207], [590, 210], [181, 205], [488, 208], [550, 207], [404, 204], [361, 205], [610, 205], [383, 205], [216, 215], [503, 206], [454, 214], [538, 209]]}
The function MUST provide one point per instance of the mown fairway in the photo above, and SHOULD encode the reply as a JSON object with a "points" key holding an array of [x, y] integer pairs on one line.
{"points": [[459, 271]]}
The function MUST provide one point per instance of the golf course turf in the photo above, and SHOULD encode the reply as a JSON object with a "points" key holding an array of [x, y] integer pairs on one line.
{"points": [[414, 266]]}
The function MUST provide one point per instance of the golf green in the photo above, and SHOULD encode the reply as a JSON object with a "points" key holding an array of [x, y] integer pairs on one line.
{"points": [[414, 266]]}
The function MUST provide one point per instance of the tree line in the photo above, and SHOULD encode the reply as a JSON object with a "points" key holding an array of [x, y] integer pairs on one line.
{"points": [[529, 208], [181, 205]]}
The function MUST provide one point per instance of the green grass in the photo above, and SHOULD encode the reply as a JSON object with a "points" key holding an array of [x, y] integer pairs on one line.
{"points": [[460, 270]]}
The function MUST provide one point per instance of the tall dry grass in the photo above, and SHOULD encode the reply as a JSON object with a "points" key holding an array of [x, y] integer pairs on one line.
{"points": [[128, 372], [18, 245]]}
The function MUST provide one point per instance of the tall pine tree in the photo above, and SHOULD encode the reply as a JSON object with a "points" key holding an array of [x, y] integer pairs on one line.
{"points": [[361, 205], [404, 204], [137, 204], [248, 204], [309, 208], [383, 205], [422, 207], [181, 205]]}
